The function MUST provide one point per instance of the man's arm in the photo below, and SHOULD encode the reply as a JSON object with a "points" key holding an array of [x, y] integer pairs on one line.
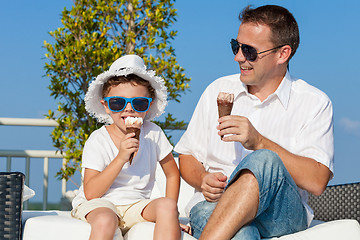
{"points": [[307, 173], [193, 172]]}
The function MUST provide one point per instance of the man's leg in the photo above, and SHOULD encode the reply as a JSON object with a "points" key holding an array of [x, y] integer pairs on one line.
{"points": [[277, 197], [236, 207], [199, 215]]}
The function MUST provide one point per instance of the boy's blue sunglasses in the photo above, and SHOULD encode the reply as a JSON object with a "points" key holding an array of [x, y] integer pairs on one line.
{"points": [[117, 104]]}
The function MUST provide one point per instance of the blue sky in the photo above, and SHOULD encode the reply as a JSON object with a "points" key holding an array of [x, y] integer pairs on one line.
{"points": [[327, 58]]}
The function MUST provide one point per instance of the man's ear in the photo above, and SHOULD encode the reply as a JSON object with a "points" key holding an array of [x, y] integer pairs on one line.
{"points": [[284, 54]]}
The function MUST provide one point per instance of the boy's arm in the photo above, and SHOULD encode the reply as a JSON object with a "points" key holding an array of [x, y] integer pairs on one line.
{"points": [[97, 183], [172, 174]]}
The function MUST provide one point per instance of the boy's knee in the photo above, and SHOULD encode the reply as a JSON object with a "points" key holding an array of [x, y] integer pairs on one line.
{"points": [[105, 220], [167, 205]]}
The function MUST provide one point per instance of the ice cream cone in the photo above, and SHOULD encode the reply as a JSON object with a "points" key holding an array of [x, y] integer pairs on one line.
{"points": [[225, 103], [133, 125]]}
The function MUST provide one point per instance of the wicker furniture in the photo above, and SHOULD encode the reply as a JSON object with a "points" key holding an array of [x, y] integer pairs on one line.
{"points": [[11, 187], [337, 202]]}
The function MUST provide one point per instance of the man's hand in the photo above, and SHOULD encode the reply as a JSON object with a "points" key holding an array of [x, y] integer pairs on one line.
{"points": [[242, 131], [213, 185]]}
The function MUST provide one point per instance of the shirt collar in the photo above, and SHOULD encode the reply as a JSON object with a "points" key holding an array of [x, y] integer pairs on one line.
{"points": [[241, 88], [282, 92]]}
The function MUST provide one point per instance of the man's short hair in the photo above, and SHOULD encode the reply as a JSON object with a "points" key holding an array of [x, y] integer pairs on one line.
{"points": [[282, 23]]}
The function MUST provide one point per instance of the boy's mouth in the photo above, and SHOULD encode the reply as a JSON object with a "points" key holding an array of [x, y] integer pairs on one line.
{"points": [[124, 117]]}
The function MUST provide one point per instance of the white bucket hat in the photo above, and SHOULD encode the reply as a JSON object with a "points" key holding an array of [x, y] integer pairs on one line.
{"points": [[128, 64]]}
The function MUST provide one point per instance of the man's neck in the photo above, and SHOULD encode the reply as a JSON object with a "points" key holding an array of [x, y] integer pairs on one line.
{"points": [[262, 91]]}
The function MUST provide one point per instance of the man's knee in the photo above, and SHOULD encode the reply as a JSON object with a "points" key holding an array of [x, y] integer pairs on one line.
{"points": [[261, 163], [265, 158]]}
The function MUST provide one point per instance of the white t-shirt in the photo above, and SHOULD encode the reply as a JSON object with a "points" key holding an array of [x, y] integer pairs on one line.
{"points": [[296, 116], [135, 181]]}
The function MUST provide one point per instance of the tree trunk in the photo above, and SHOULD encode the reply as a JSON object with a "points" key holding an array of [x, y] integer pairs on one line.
{"points": [[130, 46]]}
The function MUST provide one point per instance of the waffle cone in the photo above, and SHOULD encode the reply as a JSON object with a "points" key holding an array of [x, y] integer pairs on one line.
{"points": [[224, 107], [225, 104], [137, 135]]}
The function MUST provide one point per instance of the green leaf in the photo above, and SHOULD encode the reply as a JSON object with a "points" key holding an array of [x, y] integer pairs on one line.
{"points": [[92, 36]]}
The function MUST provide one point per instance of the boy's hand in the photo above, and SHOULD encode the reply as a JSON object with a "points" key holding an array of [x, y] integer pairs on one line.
{"points": [[128, 145]]}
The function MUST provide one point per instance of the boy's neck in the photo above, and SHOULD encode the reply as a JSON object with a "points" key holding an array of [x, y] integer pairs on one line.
{"points": [[115, 133]]}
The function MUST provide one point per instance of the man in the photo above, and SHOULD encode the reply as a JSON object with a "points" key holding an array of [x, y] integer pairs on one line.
{"points": [[277, 143]]}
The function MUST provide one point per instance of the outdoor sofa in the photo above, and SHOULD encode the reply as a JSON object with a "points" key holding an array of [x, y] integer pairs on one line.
{"points": [[337, 212]]}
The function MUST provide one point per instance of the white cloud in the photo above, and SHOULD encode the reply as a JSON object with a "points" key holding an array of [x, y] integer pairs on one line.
{"points": [[350, 126]]}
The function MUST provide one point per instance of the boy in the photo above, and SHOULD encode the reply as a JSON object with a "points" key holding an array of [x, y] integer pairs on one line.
{"points": [[116, 192]]}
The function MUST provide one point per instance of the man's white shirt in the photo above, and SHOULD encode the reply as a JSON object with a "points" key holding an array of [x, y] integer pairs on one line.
{"points": [[297, 116]]}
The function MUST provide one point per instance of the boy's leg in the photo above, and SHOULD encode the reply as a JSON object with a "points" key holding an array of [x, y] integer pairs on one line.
{"points": [[102, 216], [164, 212], [103, 223]]}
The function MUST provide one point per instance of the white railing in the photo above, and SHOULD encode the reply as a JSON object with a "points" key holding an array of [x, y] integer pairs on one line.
{"points": [[46, 155], [27, 154]]}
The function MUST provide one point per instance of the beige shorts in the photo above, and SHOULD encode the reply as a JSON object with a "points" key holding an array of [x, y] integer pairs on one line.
{"points": [[128, 215]]}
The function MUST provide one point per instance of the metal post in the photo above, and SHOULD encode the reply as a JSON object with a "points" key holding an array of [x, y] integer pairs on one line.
{"points": [[8, 164], [63, 181], [27, 171], [27, 180], [46, 178]]}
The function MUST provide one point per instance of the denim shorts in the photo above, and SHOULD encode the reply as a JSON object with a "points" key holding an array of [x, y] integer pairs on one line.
{"points": [[280, 209]]}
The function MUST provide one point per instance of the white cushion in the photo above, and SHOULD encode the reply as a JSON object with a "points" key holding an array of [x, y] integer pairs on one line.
{"points": [[59, 225], [56, 225], [333, 230], [145, 230]]}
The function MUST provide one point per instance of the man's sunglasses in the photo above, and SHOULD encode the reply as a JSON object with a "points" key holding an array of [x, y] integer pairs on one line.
{"points": [[248, 51], [117, 104]]}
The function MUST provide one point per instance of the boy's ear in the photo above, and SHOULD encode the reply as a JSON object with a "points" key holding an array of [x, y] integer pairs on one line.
{"points": [[104, 103], [149, 108]]}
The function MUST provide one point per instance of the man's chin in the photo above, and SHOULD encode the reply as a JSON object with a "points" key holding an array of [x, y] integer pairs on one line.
{"points": [[245, 80]]}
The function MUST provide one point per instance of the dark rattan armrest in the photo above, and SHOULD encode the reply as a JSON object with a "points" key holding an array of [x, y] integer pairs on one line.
{"points": [[337, 202], [11, 188]]}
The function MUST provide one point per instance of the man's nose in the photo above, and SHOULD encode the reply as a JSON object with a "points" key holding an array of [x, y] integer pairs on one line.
{"points": [[239, 57]]}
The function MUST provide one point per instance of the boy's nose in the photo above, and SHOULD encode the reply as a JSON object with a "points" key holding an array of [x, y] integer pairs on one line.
{"points": [[128, 107]]}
